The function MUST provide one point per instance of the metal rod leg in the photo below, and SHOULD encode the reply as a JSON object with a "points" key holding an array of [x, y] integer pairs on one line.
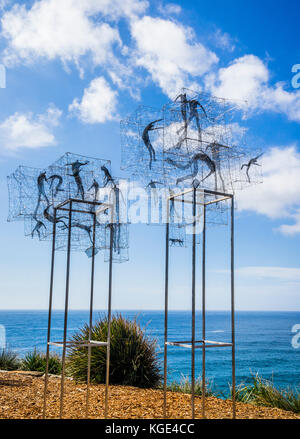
{"points": [[91, 318], [166, 316], [193, 304], [66, 313], [109, 319], [49, 315], [203, 312], [232, 313]]}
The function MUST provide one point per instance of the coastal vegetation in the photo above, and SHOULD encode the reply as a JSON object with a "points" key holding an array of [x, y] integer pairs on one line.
{"points": [[133, 355], [9, 360], [36, 361], [263, 392], [134, 362]]}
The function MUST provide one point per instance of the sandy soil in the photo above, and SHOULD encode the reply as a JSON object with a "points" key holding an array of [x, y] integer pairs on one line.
{"points": [[21, 396]]}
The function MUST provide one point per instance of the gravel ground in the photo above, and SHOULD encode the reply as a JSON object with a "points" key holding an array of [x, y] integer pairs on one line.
{"points": [[21, 396]]}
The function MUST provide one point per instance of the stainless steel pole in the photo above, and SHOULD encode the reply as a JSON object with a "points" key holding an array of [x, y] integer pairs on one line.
{"points": [[66, 312], [91, 317], [193, 304], [203, 311], [233, 312], [49, 314], [109, 318], [166, 312]]}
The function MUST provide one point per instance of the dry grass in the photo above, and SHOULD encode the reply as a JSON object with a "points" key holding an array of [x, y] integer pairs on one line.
{"points": [[21, 396]]}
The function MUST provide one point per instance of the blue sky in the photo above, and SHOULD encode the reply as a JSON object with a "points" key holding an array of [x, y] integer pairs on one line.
{"points": [[74, 69]]}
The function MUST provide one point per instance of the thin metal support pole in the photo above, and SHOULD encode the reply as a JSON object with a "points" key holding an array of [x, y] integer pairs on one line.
{"points": [[203, 311], [66, 313], [49, 314], [109, 318], [193, 304], [91, 317], [233, 312], [166, 312]]}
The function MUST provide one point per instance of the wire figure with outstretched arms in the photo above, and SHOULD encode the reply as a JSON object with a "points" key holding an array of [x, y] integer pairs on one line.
{"points": [[147, 141], [248, 165], [76, 168]]}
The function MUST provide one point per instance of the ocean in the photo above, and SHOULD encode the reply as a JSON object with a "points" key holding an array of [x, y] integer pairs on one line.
{"points": [[263, 341]]}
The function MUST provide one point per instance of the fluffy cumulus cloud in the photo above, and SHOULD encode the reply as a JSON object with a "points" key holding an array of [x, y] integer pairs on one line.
{"points": [[279, 195], [65, 29], [24, 130], [98, 103], [247, 78], [169, 52]]}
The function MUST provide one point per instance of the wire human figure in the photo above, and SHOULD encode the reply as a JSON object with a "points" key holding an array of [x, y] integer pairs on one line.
{"points": [[152, 185], [201, 156], [183, 109], [193, 105], [147, 141], [59, 183], [252, 162], [107, 176], [41, 191], [215, 149], [76, 168], [37, 228], [50, 217]]}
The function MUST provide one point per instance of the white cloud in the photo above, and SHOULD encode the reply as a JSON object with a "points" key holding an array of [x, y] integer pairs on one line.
{"points": [[170, 52], [276, 273], [64, 29], [223, 40], [26, 131], [98, 104], [279, 195], [169, 9], [247, 78]]}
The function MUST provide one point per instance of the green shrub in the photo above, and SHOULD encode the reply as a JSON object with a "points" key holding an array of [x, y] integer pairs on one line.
{"points": [[9, 360], [185, 386], [133, 358], [263, 392], [36, 361]]}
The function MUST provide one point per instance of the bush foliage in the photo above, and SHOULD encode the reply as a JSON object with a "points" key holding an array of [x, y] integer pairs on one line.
{"points": [[36, 361], [9, 360], [133, 357]]}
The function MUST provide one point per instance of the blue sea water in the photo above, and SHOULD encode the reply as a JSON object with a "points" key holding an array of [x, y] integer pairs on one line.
{"points": [[263, 341]]}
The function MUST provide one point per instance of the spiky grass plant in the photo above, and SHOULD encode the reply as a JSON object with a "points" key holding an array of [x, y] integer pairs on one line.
{"points": [[133, 357], [263, 392], [9, 360], [185, 386], [36, 361]]}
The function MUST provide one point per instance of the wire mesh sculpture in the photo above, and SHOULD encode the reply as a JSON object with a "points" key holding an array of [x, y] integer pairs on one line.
{"points": [[196, 140], [34, 193], [195, 148], [78, 205]]}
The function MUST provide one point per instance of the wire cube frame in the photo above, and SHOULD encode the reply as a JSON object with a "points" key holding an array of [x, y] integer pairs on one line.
{"points": [[193, 344], [68, 206]]}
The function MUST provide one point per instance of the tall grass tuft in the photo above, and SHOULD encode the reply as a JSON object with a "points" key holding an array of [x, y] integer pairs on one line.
{"points": [[133, 357], [36, 361], [263, 392], [9, 360], [185, 386]]}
